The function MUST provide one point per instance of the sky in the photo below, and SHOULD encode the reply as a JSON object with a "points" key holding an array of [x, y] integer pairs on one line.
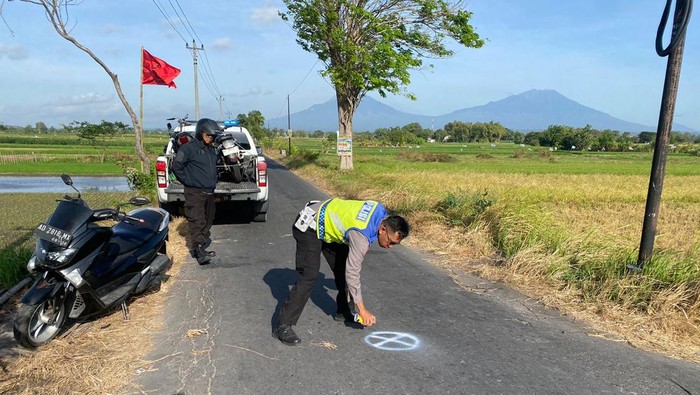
{"points": [[600, 53]]}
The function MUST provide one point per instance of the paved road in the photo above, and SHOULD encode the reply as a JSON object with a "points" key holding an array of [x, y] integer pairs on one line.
{"points": [[432, 335]]}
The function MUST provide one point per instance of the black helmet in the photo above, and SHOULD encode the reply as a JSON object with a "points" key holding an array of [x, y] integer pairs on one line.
{"points": [[207, 126]]}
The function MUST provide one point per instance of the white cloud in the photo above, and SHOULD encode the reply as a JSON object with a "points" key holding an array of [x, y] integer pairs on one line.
{"points": [[13, 52], [223, 43], [265, 16]]}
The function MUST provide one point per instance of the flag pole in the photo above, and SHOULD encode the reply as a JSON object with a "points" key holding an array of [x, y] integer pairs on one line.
{"points": [[141, 99], [141, 94]]}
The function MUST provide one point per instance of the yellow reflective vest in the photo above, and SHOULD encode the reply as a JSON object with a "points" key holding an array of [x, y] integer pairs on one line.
{"points": [[337, 216]]}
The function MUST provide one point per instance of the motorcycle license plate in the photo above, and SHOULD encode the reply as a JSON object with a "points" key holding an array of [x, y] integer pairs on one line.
{"points": [[53, 235]]}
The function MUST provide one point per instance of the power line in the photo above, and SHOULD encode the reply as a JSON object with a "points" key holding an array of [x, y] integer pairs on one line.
{"points": [[207, 75], [307, 74], [180, 18], [188, 21], [206, 72], [162, 11], [286, 100]]}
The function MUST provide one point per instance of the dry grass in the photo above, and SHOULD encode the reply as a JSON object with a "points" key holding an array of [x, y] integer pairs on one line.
{"points": [[100, 356], [325, 344]]}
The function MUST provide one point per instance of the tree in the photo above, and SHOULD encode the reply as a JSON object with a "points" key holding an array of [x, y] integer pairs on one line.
{"points": [[371, 45], [56, 12], [255, 123], [41, 127], [607, 138], [579, 139], [554, 135], [99, 136], [532, 138], [459, 131], [647, 137]]}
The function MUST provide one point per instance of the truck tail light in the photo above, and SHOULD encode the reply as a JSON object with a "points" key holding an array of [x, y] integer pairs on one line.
{"points": [[262, 173], [161, 177]]}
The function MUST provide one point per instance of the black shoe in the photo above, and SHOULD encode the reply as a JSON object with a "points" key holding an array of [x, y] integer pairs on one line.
{"points": [[286, 335], [343, 317], [201, 256], [210, 254]]}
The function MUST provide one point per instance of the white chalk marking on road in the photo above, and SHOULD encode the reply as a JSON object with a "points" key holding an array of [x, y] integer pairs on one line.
{"points": [[392, 341]]}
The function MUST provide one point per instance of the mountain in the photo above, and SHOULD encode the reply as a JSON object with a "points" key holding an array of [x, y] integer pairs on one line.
{"points": [[527, 111], [370, 115]]}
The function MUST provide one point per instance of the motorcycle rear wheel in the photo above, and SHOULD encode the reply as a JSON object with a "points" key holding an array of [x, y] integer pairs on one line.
{"points": [[35, 326]]}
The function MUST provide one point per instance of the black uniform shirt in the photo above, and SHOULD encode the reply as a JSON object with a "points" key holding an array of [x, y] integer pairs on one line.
{"points": [[195, 165]]}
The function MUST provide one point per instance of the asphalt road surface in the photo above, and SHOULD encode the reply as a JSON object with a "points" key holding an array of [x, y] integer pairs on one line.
{"points": [[432, 336]]}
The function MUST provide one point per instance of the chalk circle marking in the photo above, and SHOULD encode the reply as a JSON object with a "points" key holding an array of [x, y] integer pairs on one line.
{"points": [[392, 341]]}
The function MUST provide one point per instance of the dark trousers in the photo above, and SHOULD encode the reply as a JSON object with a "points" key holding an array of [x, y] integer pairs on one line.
{"points": [[308, 264], [199, 211]]}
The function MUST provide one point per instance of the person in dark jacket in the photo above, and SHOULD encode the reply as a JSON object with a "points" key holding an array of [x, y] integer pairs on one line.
{"points": [[195, 167]]}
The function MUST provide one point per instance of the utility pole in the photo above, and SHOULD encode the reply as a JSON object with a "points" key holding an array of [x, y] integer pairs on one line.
{"points": [[220, 99], [674, 51], [194, 49], [289, 128]]}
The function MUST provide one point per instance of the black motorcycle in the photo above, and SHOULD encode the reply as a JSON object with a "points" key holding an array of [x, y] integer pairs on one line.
{"points": [[87, 261]]}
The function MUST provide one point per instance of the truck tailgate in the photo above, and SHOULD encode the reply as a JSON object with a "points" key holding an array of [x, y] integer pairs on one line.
{"points": [[222, 188]]}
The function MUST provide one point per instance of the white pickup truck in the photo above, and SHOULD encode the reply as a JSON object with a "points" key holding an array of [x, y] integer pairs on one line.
{"points": [[242, 170]]}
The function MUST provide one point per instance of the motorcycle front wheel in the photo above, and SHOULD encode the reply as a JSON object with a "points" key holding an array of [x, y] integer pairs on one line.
{"points": [[35, 326]]}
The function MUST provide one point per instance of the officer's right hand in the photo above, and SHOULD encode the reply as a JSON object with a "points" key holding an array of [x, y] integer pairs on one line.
{"points": [[368, 319]]}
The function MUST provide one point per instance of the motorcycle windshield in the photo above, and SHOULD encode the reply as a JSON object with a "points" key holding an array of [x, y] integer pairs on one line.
{"points": [[69, 216]]}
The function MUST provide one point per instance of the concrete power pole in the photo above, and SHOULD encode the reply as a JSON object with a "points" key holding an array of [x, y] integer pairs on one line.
{"points": [[220, 99], [194, 49]]}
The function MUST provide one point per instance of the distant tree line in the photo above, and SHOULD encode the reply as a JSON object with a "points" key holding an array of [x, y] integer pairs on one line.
{"points": [[555, 136]]}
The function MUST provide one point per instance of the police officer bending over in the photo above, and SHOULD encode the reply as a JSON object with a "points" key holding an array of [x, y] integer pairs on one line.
{"points": [[341, 230], [195, 167]]}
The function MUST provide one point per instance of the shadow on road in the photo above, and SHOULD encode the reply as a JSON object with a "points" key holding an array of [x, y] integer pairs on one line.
{"points": [[280, 282]]}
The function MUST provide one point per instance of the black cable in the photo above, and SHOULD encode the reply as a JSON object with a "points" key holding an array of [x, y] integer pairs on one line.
{"points": [[687, 8], [162, 11]]}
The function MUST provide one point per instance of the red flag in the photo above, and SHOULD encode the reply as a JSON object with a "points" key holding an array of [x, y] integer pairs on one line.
{"points": [[157, 72]]}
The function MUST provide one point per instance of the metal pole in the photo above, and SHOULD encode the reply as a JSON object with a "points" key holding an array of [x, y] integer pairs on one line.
{"points": [[658, 167]]}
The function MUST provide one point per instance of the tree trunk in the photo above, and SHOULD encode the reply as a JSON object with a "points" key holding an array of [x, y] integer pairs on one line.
{"points": [[346, 111]]}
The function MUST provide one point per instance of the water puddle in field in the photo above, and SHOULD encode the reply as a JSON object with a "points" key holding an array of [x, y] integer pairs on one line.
{"points": [[28, 184]]}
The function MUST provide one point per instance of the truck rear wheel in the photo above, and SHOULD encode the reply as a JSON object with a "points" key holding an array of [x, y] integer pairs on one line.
{"points": [[260, 211]]}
